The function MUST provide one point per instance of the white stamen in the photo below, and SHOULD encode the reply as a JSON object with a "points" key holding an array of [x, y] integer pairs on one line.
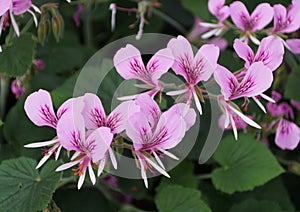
{"points": [[158, 168], [259, 104], [209, 34], [254, 40], [227, 121], [125, 98], [235, 133], [101, 167], [168, 154], [245, 118], [175, 93], [58, 152], [267, 98], [198, 105], [143, 173], [113, 158], [44, 159], [205, 24], [36, 9], [158, 160], [75, 155], [92, 174], [41, 144], [113, 9], [34, 17], [67, 165], [81, 180], [14, 23]]}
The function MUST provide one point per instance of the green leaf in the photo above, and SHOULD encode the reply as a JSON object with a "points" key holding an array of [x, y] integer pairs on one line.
{"points": [[16, 59], [251, 205], [24, 188], [194, 7], [177, 199], [246, 163], [292, 86], [183, 175]]}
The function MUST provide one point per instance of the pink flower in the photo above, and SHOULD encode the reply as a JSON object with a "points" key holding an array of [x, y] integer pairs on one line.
{"points": [[89, 150], [287, 135], [153, 132], [234, 118], [286, 109], [217, 8], [257, 80], [293, 45], [260, 17], [270, 52], [76, 15], [240, 124], [273, 109], [276, 96], [219, 42], [129, 64], [17, 88], [295, 104], [286, 20], [197, 29], [193, 68], [39, 109]]}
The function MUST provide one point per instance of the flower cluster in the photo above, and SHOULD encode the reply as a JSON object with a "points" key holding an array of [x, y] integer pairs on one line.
{"points": [[285, 21], [83, 128]]}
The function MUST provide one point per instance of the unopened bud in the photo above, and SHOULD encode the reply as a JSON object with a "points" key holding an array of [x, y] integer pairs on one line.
{"points": [[57, 26]]}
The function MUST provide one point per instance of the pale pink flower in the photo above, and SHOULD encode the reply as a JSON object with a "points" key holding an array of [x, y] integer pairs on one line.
{"points": [[257, 80], [240, 124], [287, 135], [234, 118], [219, 42], [39, 109], [286, 20], [260, 17], [219, 9], [270, 52], [293, 45], [129, 64], [193, 68], [89, 150], [153, 132]]}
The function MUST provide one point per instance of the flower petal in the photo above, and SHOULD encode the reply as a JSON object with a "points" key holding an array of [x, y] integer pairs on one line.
{"points": [[71, 131], [38, 107], [239, 14], [98, 143], [93, 111], [270, 52], [129, 63], [41, 144], [287, 135], [75, 105], [67, 165], [4, 6], [92, 174], [186, 112], [226, 80], [160, 63], [183, 55], [205, 62], [244, 52], [262, 16], [293, 45]]}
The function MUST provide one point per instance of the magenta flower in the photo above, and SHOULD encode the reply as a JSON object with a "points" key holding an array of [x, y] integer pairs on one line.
{"points": [[293, 45], [286, 20], [76, 15], [286, 109], [260, 17], [153, 132], [17, 88], [39, 64], [295, 104], [39, 109], [193, 68], [287, 135], [91, 149], [270, 52], [257, 80], [129, 64], [218, 9]]}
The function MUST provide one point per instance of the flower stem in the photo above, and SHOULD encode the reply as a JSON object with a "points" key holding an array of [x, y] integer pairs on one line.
{"points": [[88, 29], [204, 176], [4, 84]]}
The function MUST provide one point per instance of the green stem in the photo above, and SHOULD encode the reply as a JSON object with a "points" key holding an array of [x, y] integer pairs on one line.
{"points": [[88, 29], [65, 181], [3, 94], [204, 176], [27, 26]]}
